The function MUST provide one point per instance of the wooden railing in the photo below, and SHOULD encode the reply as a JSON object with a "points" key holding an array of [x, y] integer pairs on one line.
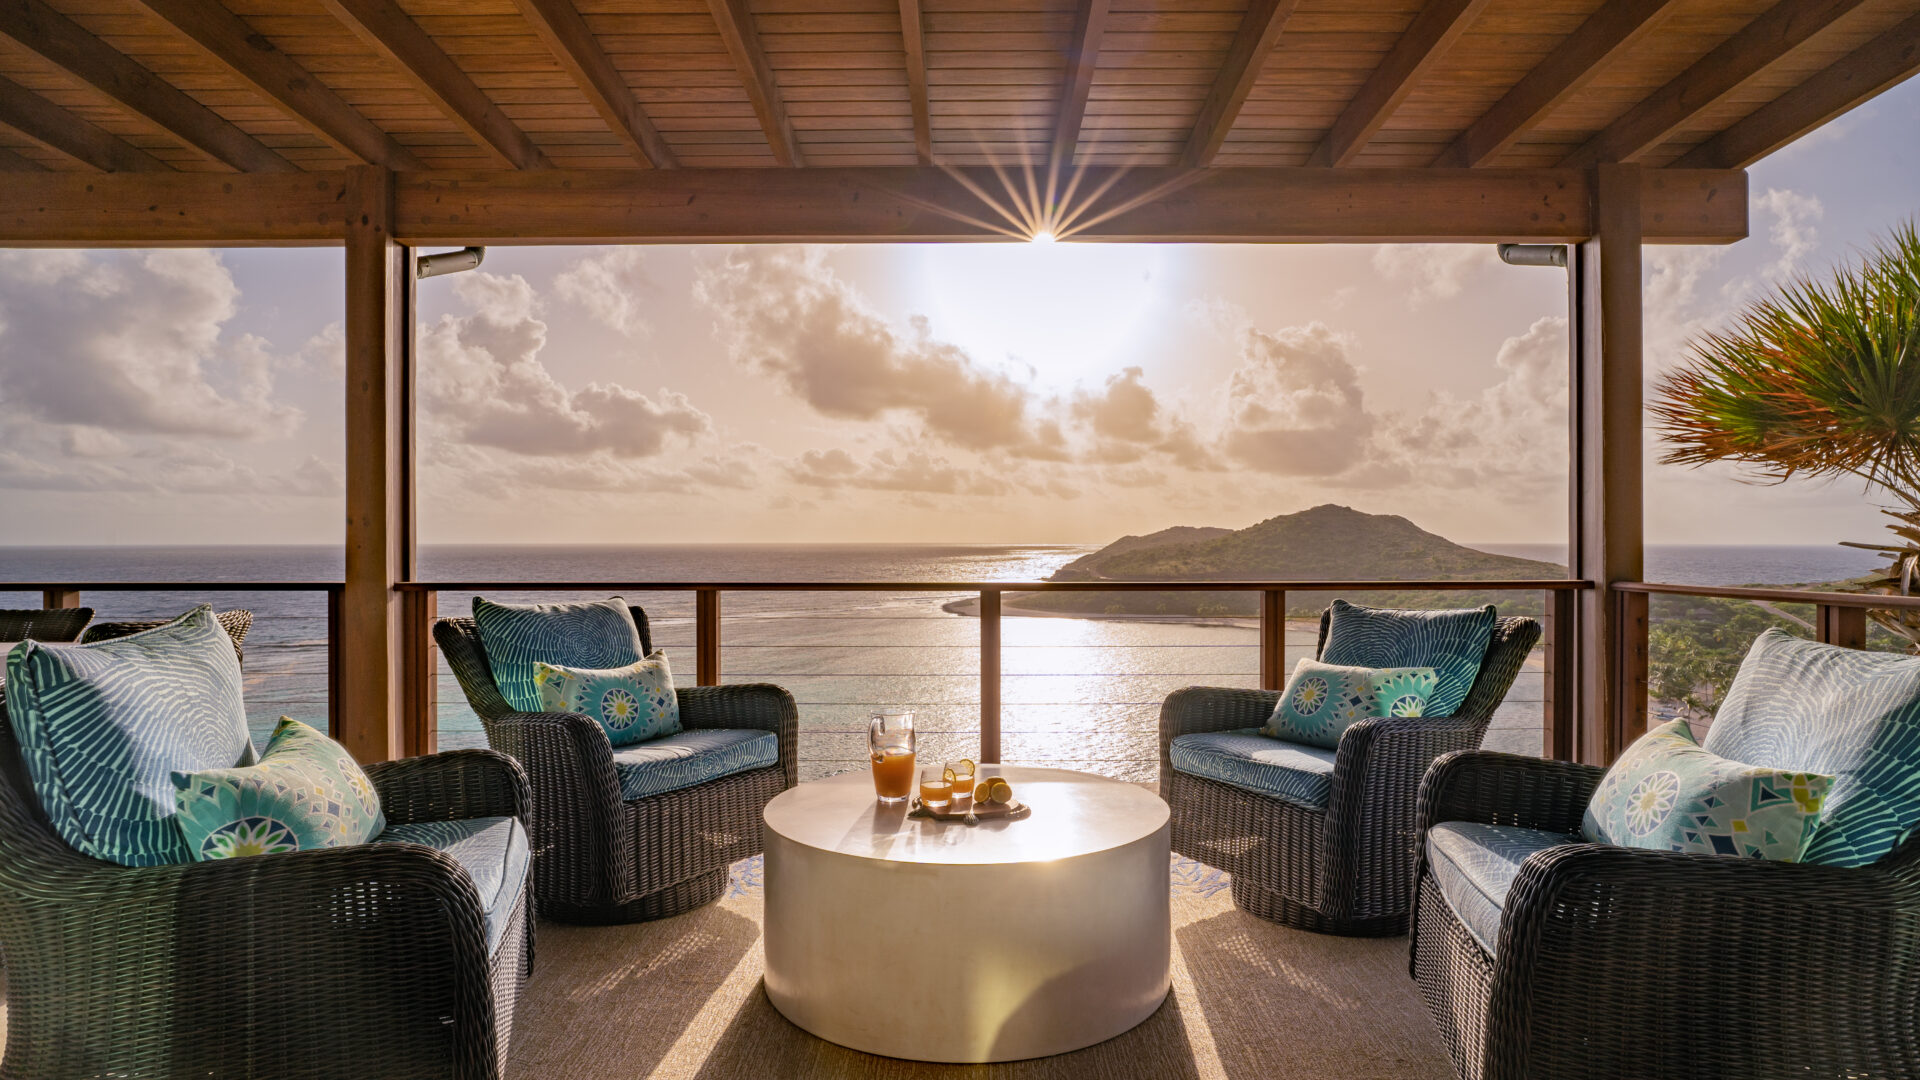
{"points": [[420, 605]]}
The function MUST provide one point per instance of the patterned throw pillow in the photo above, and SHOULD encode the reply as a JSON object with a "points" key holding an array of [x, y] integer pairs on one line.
{"points": [[103, 726], [306, 793], [600, 634], [1452, 643], [1669, 794], [1322, 700], [633, 703]]}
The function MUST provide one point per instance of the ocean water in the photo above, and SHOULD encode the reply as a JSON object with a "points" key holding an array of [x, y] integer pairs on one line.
{"points": [[1076, 692]]}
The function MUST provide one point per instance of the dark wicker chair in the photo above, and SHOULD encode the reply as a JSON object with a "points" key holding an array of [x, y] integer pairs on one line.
{"points": [[597, 858], [236, 623], [1626, 962], [1348, 868], [44, 624], [366, 961]]}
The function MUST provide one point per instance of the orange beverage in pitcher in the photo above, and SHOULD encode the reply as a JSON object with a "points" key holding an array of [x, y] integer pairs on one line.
{"points": [[893, 773]]}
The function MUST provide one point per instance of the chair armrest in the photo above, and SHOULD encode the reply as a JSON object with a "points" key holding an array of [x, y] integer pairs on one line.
{"points": [[576, 826], [1193, 710], [451, 785], [756, 706], [1494, 788]]}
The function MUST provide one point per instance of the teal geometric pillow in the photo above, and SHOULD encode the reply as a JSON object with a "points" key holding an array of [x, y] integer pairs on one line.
{"points": [[306, 793], [600, 634], [102, 728], [1322, 700], [633, 703], [1452, 643], [1668, 794], [1802, 706]]}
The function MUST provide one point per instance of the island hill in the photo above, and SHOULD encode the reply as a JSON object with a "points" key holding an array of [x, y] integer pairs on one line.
{"points": [[1326, 543]]}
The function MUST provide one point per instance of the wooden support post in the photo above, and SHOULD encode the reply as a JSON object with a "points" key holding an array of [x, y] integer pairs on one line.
{"points": [[1843, 626], [706, 636], [990, 675], [1557, 705], [1605, 532], [1273, 639], [420, 712], [1629, 666], [335, 624], [379, 547], [60, 598]]}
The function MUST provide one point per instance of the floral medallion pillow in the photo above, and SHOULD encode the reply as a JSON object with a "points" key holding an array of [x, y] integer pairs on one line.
{"points": [[632, 703], [1668, 794], [306, 793], [1322, 700]]}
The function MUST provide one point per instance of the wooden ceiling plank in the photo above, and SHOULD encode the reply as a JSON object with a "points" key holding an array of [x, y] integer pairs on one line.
{"points": [[1858, 77], [1083, 56], [561, 26], [63, 43], [11, 161], [44, 122], [913, 38], [252, 57], [395, 36], [1775, 33], [1259, 32], [1575, 62], [1432, 32], [735, 22]]}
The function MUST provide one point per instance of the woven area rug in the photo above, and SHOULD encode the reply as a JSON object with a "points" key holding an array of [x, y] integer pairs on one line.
{"points": [[1251, 1001]]}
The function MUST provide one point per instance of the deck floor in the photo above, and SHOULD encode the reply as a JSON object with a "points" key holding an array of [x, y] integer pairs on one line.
{"points": [[681, 998]]}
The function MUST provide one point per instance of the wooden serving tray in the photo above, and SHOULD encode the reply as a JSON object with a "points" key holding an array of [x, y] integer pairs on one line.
{"points": [[981, 811]]}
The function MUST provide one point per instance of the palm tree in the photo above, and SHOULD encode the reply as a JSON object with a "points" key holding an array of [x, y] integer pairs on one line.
{"points": [[1819, 380]]}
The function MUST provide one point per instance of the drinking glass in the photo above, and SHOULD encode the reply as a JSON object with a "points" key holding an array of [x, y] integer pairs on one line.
{"points": [[963, 775], [936, 791], [890, 741]]}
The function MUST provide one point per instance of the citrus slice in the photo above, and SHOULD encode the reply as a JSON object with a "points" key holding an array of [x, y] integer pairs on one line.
{"points": [[947, 775], [1002, 791], [965, 767]]}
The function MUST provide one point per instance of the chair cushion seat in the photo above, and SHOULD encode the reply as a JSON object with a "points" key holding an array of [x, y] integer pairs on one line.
{"points": [[492, 850], [1475, 865], [1258, 763], [691, 757]]}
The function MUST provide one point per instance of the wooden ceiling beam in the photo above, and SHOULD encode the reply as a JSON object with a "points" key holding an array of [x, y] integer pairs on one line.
{"points": [[44, 122], [1303, 204], [735, 22], [1259, 32], [1609, 32], [1432, 32], [63, 43], [1083, 57], [1851, 81], [913, 39], [394, 35], [573, 43], [232, 42], [1778, 31]]}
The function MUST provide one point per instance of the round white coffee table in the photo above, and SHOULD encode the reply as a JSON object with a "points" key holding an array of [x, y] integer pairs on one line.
{"points": [[938, 941]]}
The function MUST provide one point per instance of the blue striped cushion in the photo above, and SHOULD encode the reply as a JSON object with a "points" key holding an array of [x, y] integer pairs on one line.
{"points": [[600, 634], [691, 757], [1475, 866], [103, 727], [1260, 764], [1452, 643], [492, 850], [1801, 706]]}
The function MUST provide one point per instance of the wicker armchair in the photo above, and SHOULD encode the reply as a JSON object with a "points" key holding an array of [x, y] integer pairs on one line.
{"points": [[1614, 962], [599, 858], [365, 961], [1346, 868], [236, 623], [43, 624]]}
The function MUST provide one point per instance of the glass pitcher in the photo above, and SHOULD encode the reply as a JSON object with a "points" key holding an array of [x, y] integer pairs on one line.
{"points": [[890, 741]]}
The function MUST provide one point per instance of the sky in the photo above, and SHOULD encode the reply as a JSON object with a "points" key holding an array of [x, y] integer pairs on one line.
{"points": [[987, 393]]}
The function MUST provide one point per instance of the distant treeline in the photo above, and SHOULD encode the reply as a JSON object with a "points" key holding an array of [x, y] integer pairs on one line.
{"points": [[1246, 605]]}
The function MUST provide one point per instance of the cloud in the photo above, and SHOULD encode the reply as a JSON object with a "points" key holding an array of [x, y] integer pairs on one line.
{"points": [[482, 381], [1294, 405], [132, 342], [1429, 271], [784, 312], [893, 470], [1794, 230], [610, 286]]}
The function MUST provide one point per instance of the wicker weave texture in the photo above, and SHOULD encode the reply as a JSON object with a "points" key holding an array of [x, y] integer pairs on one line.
{"points": [[597, 858], [44, 624], [1625, 962], [365, 961], [1348, 868]]}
